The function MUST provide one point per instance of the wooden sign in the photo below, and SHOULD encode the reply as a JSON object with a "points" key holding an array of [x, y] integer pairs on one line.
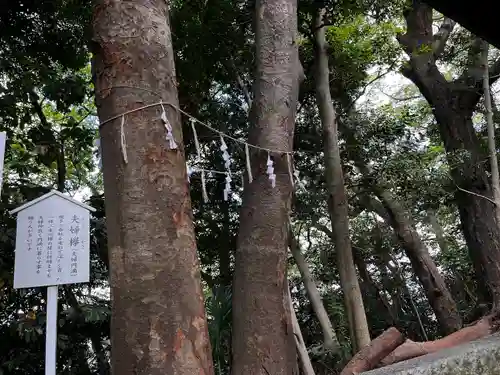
{"points": [[52, 248]]}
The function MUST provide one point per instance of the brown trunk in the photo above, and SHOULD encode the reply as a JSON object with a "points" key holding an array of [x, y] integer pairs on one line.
{"points": [[339, 210], [423, 265], [453, 104], [158, 323], [371, 355], [330, 341], [262, 331]]}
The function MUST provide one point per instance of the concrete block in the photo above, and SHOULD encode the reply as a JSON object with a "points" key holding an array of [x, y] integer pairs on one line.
{"points": [[481, 357]]}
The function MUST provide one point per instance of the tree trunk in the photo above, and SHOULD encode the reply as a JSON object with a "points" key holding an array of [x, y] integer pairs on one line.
{"points": [[438, 231], [158, 317], [262, 331], [374, 289], [339, 211], [307, 367], [423, 265], [492, 147], [371, 355], [453, 104], [330, 341]]}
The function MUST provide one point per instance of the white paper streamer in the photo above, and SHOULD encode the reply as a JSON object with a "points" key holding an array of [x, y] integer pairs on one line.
{"points": [[225, 154], [170, 136], [249, 167], [270, 170], [203, 187], [196, 142], [227, 189], [123, 142]]}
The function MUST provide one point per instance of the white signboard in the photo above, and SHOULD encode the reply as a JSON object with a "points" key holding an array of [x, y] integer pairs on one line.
{"points": [[52, 242], [3, 140]]}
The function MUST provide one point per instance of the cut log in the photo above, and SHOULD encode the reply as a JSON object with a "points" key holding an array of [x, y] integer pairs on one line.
{"points": [[368, 357], [412, 349]]}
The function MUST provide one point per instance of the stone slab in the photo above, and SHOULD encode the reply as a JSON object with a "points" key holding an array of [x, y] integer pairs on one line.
{"points": [[481, 357]]}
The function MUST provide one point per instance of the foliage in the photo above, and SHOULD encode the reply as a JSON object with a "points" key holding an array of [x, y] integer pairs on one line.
{"points": [[47, 110]]}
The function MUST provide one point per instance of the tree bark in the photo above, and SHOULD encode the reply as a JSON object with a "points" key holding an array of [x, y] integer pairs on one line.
{"points": [[330, 341], [262, 331], [423, 265], [492, 147], [158, 317], [371, 355], [338, 207], [453, 104]]}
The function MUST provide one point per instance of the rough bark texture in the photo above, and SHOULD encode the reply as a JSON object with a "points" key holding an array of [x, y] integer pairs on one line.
{"points": [[412, 349], [453, 104], [370, 356], [330, 341], [262, 331], [423, 265], [338, 206], [158, 318]]}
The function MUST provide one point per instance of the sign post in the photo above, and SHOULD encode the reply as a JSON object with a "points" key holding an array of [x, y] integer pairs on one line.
{"points": [[52, 248], [3, 140]]}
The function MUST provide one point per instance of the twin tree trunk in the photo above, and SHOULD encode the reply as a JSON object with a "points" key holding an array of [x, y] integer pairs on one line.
{"points": [[339, 210], [263, 342], [453, 104], [158, 319]]}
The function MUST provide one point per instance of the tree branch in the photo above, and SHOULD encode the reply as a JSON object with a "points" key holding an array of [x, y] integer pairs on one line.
{"points": [[442, 36], [472, 78]]}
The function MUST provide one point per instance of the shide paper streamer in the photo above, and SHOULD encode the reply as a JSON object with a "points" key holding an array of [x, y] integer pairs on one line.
{"points": [[172, 145]]}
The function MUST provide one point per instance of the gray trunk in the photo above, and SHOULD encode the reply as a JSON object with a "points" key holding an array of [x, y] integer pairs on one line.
{"points": [[339, 211], [330, 341]]}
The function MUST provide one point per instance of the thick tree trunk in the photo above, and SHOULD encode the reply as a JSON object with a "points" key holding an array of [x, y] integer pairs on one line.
{"points": [[339, 211], [453, 104], [330, 341], [262, 331], [423, 265], [158, 317]]}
